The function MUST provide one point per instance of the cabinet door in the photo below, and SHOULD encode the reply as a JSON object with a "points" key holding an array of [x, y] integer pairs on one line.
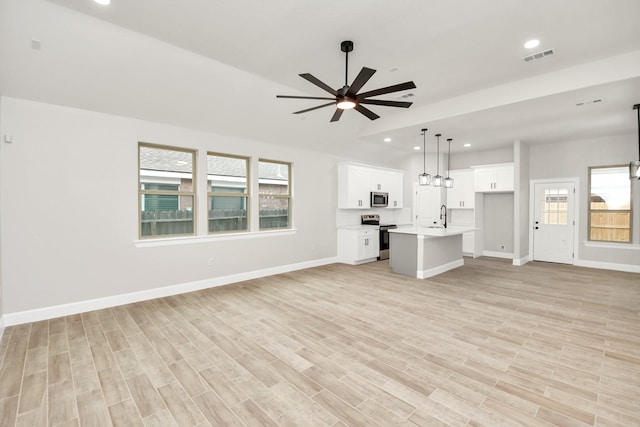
{"points": [[455, 195], [428, 201], [353, 187], [368, 246], [484, 179], [504, 178], [468, 190], [396, 190]]}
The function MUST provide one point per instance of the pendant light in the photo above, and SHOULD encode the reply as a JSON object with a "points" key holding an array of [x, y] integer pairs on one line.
{"points": [[634, 166], [448, 181], [424, 178], [437, 180]]}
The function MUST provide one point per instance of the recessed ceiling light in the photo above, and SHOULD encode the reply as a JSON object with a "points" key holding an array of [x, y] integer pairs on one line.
{"points": [[416, 148], [532, 43], [103, 2], [387, 140], [467, 145]]}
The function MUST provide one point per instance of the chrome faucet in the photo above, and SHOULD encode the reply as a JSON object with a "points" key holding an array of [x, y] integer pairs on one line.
{"points": [[443, 213]]}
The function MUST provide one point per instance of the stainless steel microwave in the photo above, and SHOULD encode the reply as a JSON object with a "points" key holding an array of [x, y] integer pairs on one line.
{"points": [[379, 200]]}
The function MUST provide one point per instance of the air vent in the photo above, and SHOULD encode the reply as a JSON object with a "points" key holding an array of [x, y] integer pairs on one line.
{"points": [[406, 95], [538, 55], [595, 101]]}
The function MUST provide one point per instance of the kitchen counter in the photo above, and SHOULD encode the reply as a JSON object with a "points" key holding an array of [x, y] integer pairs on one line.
{"points": [[433, 231], [424, 252]]}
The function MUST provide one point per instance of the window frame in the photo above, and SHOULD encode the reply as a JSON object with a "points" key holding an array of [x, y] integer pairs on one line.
{"points": [[288, 195], [590, 210], [246, 194], [180, 193]]}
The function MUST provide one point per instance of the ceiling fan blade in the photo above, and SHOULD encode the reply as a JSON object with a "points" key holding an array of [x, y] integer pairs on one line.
{"points": [[303, 97], [314, 108], [400, 104], [336, 116], [367, 112], [318, 83], [388, 89], [361, 79]]}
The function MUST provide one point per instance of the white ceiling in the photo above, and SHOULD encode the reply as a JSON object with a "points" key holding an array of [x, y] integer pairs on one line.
{"points": [[465, 57]]}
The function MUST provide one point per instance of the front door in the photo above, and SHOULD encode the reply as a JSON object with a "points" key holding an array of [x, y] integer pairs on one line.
{"points": [[553, 222]]}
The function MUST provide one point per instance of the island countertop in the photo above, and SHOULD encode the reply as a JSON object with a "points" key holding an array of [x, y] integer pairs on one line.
{"points": [[433, 232]]}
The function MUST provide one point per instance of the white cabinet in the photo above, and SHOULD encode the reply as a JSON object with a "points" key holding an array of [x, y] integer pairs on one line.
{"points": [[468, 243], [357, 246], [493, 178], [395, 189], [353, 187], [356, 182], [427, 203], [462, 194]]}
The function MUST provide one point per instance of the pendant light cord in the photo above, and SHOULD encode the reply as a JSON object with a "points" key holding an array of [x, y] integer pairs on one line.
{"points": [[449, 157], [438, 157], [637, 107]]}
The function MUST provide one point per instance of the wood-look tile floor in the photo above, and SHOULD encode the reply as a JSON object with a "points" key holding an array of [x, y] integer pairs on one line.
{"points": [[486, 344]]}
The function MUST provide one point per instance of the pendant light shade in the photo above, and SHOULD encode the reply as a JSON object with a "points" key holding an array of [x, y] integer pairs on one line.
{"points": [[438, 179], [424, 178], [448, 181], [634, 166]]}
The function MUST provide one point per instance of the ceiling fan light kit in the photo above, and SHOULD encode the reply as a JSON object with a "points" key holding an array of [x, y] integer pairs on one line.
{"points": [[347, 97]]}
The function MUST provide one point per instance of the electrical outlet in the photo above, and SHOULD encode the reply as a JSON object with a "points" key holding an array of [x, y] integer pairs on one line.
{"points": [[210, 261], [502, 247]]}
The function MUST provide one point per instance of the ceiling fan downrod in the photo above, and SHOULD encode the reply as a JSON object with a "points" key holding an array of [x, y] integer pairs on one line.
{"points": [[346, 46]]}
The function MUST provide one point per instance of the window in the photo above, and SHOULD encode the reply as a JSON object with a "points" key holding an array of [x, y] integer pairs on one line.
{"points": [[610, 204], [228, 193], [166, 191], [555, 206], [274, 188]]}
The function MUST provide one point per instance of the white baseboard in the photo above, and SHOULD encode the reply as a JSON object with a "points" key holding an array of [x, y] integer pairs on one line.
{"points": [[521, 261], [425, 274], [45, 313], [629, 268], [1, 327], [495, 254]]}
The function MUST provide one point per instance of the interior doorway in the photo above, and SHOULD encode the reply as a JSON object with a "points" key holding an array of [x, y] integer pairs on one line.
{"points": [[553, 221]]}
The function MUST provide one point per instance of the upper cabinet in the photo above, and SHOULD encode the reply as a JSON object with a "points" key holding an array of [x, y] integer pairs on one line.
{"points": [[462, 195], [493, 178], [356, 182], [353, 187]]}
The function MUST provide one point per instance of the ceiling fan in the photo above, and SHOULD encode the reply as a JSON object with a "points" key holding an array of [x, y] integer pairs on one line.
{"points": [[348, 97]]}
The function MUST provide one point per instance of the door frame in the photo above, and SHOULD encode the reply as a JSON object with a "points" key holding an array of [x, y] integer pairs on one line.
{"points": [[576, 211]]}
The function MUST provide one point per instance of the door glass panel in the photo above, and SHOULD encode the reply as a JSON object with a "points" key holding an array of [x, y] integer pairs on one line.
{"points": [[554, 208]]}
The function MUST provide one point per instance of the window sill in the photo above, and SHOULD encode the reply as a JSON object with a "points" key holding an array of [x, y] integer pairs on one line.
{"points": [[172, 241], [607, 245]]}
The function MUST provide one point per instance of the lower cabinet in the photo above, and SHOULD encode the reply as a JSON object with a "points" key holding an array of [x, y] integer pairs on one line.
{"points": [[357, 246], [468, 244]]}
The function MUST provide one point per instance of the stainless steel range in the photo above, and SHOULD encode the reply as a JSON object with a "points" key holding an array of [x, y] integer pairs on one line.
{"points": [[374, 219]]}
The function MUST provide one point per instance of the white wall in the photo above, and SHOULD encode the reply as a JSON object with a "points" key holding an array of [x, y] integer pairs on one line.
{"points": [[573, 159], [69, 209]]}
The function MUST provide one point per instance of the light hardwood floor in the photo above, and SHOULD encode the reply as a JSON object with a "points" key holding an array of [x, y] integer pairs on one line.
{"points": [[486, 344]]}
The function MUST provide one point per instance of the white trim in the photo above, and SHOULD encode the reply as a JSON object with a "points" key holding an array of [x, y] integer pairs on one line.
{"points": [[576, 211], [629, 268], [612, 245], [1, 327], [186, 240], [45, 313], [521, 261], [494, 254], [425, 274]]}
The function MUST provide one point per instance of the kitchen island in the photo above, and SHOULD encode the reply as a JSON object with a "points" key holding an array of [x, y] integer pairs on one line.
{"points": [[424, 252]]}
